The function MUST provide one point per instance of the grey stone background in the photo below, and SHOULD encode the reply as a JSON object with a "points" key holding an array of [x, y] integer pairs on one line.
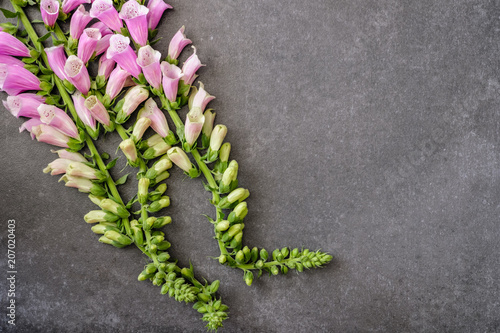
{"points": [[366, 129]]}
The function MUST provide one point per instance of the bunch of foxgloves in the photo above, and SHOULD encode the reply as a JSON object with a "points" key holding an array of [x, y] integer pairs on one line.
{"points": [[132, 90]]}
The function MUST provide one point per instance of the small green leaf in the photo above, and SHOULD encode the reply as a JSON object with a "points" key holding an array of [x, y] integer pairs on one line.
{"points": [[121, 180], [36, 21], [104, 156], [111, 164], [8, 13], [44, 37], [155, 41]]}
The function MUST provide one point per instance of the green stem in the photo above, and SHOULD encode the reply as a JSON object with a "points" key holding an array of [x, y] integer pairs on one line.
{"points": [[59, 33]]}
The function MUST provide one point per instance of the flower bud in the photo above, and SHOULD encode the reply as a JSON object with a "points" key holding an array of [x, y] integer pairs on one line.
{"points": [[157, 150], [240, 257], [264, 255], [179, 158], [239, 212], [148, 224], [144, 276], [115, 208], [218, 135], [224, 152], [222, 259], [134, 96], [162, 176], [79, 169], [235, 229], [229, 176], [101, 228], [237, 195], [142, 192], [193, 126], [207, 127], [141, 125], [222, 225], [57, 166], [153, 140], [164, 256], [248, 278], [128, 148], [162, 221], [236, 242], [259, 264], [274, 270], [158, 167], [95, 216], [83, 185], [118, 237], [158, 205]]}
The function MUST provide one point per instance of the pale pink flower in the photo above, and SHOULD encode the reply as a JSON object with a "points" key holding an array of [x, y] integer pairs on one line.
{"points": [[134, 96], [149, 61], [193, 126], [190, 67], [50, 11], [177, 44], [106, 66], [57, 166], [104, 11], [87, 44], [77, 74], [50, 135], [78, 169], [69, 5], [11, 46], [24, 105], [82, 184], [135, 16], [156, 9], [179, 158], [116, 82], [171, 76], [69, 155], [57, 118], [158, 120], [202, 98], [57, 60], [15, 79], [78, 22], [97, 110], [29, 124], [83, 113], [141, 125], [129, 150], [120, 51]]}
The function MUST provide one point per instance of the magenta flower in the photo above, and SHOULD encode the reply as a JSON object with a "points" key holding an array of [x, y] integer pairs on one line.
{"points": [[97, 110], [57, 118], [120, 51], [103, 44], [116, 82], [83, 113], [171, 76], [11, 46], [14, 79], [158, 121], [11, 61], [87, 44], [149, 61], [193, 126], [79, 21], [28, 126], [106, 66], [156, 9], [24, 105], [201, 98], [50, 135], [190, 67], [69, 5], [57, 60], [103, 28], [135, 16], [104, 11], [77, 74], [134, 96], [50, 11], [177, 44]]}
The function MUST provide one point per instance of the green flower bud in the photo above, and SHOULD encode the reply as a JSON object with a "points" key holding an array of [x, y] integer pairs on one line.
{"points": [[165, 245], [163, 164], [239, 194], [162, 221], [264, 255], [144, 276], [235, 229], [157, 239], [101, 228], [277, 255], [95, 216], [222, 259], [153, 248], [224, 152], [150, 268], [115, 208], [96, 199], [142, 192], [148, 224], [254, 254], [294, 253], [204, 297], [138, 235], [248, 278], [246, 252], [118, 237], [275, 270], [160, 204], [214, 286], [217, 136], [153, 140], [222, 225], [236, 242], [285, 251], [129, 150], [156, 150], [187, 273], [106, 240], [240, 257], [299, 267], [239, 212], [284, 269], [170, 268], [164, 256], [259, 264], [161, 188], [229, 176]]}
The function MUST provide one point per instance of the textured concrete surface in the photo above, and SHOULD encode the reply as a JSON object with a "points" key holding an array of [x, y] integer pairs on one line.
{"points": [[367, 129]]}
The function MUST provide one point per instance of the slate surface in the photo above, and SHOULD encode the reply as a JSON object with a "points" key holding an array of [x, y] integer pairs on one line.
{"points": [[367, 129]]}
